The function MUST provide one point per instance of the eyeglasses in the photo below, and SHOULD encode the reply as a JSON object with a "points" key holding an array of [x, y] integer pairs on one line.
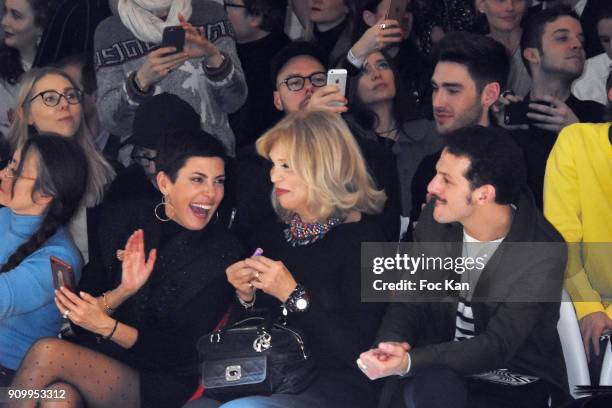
{"points": [[226, 5], [52, 98], [143, 160], [11, 171], [296, 82]]}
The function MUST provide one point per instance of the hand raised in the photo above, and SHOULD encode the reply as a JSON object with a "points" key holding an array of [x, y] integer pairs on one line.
{"points": [[377, 37], [328, 98], [196, 43], [135, 269], [158, 65]]}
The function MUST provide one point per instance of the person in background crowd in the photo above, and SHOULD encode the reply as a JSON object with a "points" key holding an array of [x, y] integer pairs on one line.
{"points": [[588, 11], [40, 190], [258, 27], [329, 23], [552, 46], [80, 68], [161, 115], [496, 343], [374, 33], [138, 346], [300, 76], [71, 30], [325, 201], [468, 78], [377, 112], [51, 102], [206, 73], [23, 22], [578, 202], [504, 20], [447, 16], [592, 84]]}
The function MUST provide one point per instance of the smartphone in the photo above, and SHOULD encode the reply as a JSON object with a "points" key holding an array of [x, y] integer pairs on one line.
{"points": [[397, 11], [173, 36], [337, 77], [63, 275], [516, 113]]}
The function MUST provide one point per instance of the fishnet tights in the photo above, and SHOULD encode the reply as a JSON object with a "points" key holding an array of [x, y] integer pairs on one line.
{"points": [[90, 377]]}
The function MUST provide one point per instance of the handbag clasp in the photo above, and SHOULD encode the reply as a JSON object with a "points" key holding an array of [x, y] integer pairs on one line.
{"points": [[233, 373]]}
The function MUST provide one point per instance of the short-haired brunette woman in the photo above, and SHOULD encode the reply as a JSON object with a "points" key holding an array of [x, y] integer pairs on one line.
{"points": [[40, 189], [138, 348], [324, 199]]}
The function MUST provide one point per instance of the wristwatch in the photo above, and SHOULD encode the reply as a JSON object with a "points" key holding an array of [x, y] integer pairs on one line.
{"points": [[298, 300]]}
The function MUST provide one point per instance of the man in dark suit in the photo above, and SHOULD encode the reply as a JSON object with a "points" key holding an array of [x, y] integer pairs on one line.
{"points": [[494, 344]]}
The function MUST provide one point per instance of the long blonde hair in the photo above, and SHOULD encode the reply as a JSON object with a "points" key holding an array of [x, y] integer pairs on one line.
{"points": [[324, 153], [100, 172]]}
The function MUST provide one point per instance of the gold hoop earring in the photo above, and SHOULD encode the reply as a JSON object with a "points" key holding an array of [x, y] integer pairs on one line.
{"points": [[162, 204]]}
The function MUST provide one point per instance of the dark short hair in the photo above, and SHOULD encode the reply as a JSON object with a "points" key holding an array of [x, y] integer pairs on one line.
{"points": [[605, 12], [296, 49], [485, 59], [533, 28], [495, 159], [272, 13], [175, 149]]}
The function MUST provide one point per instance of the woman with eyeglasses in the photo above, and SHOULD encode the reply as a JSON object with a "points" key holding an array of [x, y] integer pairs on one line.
{"points": [[23, 23], [40, 189], [50, 101], [154, 296]]}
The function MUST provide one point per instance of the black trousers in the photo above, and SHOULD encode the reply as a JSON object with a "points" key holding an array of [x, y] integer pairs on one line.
{"points": [[441, 387]]}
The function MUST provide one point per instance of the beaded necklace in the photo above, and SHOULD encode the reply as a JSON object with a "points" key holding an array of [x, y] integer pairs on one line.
{"points": [[300, 233]]}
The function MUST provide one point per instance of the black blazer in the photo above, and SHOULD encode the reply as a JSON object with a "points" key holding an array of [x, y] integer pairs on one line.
{"points": [[518, 335]]}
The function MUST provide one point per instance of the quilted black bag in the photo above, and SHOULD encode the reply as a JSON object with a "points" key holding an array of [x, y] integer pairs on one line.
{"points": [[255, 356]]}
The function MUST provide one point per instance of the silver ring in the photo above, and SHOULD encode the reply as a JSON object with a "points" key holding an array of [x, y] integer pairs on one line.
{"points": [[257, 274], [383, 26], [66, 314], [251, 285]]}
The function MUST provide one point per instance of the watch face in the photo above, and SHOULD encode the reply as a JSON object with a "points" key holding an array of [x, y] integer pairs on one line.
{"points": [[301, 304]]}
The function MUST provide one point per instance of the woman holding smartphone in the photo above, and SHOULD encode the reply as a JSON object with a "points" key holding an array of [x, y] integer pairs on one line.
{"points": [[40, 190]]}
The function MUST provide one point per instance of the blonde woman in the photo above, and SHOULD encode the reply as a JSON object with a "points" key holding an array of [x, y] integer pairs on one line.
{"points": [[51, 102], [324, 199]]}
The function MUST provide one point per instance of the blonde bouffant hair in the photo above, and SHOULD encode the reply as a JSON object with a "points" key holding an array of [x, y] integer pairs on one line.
{"points": [[324, 153]]}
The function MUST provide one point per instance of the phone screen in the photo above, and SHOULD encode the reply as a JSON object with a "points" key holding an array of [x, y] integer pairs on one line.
{"points": [[63, 274]]}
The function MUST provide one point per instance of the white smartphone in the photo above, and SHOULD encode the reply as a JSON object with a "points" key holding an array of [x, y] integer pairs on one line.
{"points": [[337, 77]]}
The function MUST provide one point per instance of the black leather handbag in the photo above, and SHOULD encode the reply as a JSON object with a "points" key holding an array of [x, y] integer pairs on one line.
{"points": [[255, 356]]}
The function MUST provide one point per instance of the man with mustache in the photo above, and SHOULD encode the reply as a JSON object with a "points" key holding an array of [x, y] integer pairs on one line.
{"points": [[552, 46], [470, 72], [494, 344]]}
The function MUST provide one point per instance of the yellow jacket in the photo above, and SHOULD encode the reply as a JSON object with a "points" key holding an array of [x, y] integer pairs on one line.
{"points": [[578, 202]]}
